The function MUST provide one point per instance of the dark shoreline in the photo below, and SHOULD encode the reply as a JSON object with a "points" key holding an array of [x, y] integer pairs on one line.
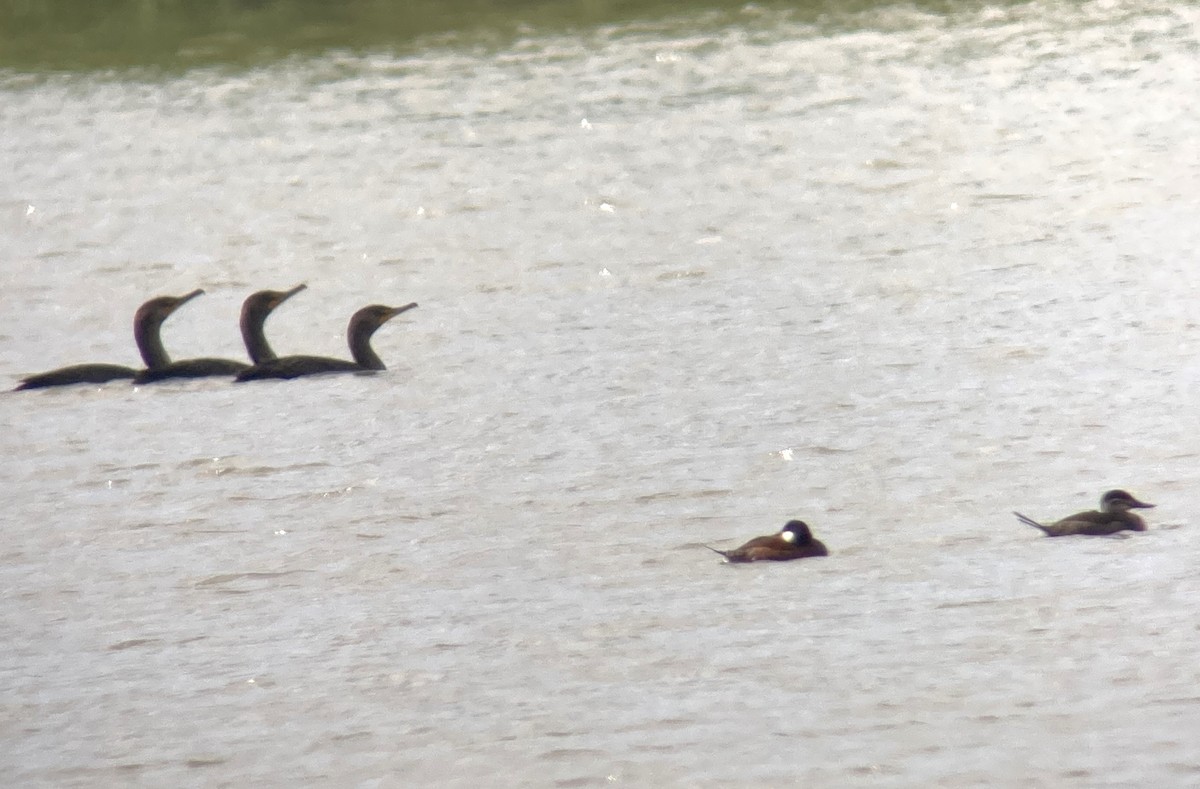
{"points": [[75, 35]]}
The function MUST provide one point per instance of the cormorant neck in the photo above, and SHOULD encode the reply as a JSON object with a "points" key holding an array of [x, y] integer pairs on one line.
{"points": [[255, 337], [359, 337], [255, 311], [149, 341], [147, 327]]}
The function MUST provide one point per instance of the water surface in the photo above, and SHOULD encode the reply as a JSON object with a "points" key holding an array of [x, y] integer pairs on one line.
{"points": [[678, 283]]}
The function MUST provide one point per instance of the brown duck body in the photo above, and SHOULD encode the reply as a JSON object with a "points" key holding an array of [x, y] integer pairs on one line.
{"points": [[794, 541], [1112, 517]]}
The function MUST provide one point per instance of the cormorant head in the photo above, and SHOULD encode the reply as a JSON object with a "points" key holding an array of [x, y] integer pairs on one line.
{"points": [[368, 319], [264, 301], [160, 308]]}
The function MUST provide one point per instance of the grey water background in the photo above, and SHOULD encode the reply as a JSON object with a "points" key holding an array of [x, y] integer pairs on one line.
{"points": [[684, 273]]}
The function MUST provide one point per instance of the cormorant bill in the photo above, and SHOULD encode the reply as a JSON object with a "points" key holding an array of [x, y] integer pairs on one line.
{"points": [[255, 310], [362, 325], [147, 323]]}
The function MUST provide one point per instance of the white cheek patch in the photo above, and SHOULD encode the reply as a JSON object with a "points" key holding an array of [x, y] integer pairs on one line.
{"points": [[788, 536]]}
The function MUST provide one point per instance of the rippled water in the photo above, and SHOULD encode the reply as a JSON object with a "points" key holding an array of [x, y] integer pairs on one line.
{"points": [[678, 284]]}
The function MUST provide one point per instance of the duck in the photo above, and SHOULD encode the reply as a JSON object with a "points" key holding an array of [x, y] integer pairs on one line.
{"points": [[793, 541], [1113, 516]]}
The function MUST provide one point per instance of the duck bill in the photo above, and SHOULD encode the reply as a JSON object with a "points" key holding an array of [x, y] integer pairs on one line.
{"points": [[1141, 505]]}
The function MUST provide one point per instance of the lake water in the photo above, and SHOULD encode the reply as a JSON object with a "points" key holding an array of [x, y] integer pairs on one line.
{"points": [[894, 272]]}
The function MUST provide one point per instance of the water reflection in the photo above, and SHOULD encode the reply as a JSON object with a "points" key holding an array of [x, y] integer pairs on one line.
{"points": [[40, 35]]}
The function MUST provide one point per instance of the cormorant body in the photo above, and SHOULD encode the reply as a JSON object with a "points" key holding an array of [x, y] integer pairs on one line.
{"points": [[255, 310], [147, 323], [362, 325]]}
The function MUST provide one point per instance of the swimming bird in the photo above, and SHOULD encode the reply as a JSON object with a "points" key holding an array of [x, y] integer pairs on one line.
{"points": [[1113, 516], [255, 310], [794, 541], [362, 325], [147, 323]]}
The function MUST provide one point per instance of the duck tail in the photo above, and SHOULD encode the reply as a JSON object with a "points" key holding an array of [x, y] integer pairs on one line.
{"points": [[1030, 522], [714, 550]]}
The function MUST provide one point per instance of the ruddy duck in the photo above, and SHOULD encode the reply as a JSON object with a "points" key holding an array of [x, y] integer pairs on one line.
{"points": [[1113, 516], [794, 541]]}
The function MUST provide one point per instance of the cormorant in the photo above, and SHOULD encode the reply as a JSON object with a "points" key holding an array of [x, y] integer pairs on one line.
{"points": [[362, 325], [146, 325], [255, 310]]}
